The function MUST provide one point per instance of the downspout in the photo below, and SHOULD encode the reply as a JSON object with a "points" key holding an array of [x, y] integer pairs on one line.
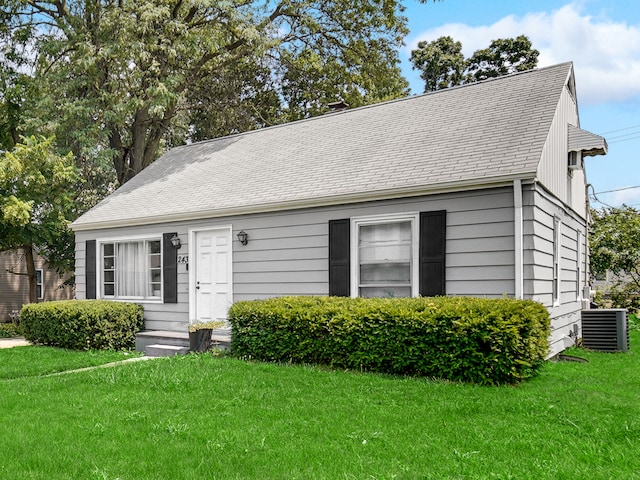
{"points": [[519, 240], [586, 286]]}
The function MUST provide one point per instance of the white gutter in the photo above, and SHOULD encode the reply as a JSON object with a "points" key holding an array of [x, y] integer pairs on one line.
{"points": [[519, 239]]}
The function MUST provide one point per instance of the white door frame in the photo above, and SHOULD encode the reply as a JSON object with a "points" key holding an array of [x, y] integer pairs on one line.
{"points": [[193, 270]]}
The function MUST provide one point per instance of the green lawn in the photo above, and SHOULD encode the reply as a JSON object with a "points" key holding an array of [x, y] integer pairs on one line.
{"points": [[37, 361], [202, 417]]}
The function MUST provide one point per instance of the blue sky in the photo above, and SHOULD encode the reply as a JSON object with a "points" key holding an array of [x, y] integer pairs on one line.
{"points": [[601, 38]]}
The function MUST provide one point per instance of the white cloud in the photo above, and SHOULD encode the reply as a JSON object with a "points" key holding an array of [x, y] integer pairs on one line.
{"points": [[606, 54]]}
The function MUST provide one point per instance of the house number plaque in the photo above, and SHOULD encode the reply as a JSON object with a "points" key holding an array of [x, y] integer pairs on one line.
{"points": [[183, 259]]}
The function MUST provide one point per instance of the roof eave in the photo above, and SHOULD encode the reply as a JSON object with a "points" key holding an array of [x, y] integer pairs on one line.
{"points": [[414, 191]]}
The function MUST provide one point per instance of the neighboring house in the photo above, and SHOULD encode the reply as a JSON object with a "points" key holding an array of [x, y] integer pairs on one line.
{"points": [[473, 190], [14, 288]]}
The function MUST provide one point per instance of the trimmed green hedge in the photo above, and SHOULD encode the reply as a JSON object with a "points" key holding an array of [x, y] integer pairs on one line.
{"points": [[486, 341], [82, 324]]}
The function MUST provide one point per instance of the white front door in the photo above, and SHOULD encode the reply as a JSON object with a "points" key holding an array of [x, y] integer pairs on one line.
{"points": [[212, 279]]}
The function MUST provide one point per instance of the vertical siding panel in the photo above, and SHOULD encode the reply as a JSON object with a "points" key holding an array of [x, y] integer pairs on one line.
{"points": [[540, 211], [553, 173]]}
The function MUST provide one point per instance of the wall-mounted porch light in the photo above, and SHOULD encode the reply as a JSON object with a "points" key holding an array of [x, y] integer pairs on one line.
{"points": [[175, 241], [243, 238]]}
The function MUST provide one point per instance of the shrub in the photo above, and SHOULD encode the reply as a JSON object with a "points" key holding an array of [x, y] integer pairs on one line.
{"points": [[487, 341], [8, 330], [82, 324]]}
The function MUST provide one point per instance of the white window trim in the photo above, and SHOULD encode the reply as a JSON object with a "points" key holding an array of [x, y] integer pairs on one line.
{"points": [[41, 296], [356, 222], [127, 238]]}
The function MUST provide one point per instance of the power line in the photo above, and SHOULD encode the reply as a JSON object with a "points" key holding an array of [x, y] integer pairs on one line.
{"points": [[620, 129], [616, 190], [624, 140], [623, 137], [595, 198]]}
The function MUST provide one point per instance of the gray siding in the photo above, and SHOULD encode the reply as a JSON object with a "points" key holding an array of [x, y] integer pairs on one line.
{"points": [[287, 253], [539, 212]]}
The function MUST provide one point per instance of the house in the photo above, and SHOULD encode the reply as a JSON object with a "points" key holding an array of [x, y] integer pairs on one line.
{"points": [[473, 190], [14, 287]]}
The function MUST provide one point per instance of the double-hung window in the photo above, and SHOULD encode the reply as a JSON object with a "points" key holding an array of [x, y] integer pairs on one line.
{"points": [[557, 238], [579, 265], [131, 269], [384, 252], [40, 283]]}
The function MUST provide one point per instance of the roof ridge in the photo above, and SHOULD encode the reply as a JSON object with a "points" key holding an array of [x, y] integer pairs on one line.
{"points": [[374, 105]]}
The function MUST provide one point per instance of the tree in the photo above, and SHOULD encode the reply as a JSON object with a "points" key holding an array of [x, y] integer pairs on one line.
{"points": [[37, 204], [440, 62], [121, 80], [443, 65], [504, 56], [615, 247]]}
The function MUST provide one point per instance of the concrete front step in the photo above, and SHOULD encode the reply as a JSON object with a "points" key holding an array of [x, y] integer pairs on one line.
{"points": [[220, 339], [160, 337], [159, 350]]}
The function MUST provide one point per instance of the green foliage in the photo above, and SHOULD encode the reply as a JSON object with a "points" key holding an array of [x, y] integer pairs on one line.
{"points": [[194, 327], [504, 56], [614, 240], [121, 81], [487, 341], [443, 65], [82, 324], [8, 330], [37, 202]]}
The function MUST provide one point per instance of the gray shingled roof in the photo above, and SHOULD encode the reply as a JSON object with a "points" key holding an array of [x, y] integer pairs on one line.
{"points": [[459, 137]]}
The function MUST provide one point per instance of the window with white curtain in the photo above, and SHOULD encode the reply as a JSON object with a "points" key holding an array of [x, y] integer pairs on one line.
{"points": [[132, 269], [386, 256]]}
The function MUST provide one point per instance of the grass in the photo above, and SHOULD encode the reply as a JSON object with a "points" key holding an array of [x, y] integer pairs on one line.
{"points": [[201, 416], [22, 362]]}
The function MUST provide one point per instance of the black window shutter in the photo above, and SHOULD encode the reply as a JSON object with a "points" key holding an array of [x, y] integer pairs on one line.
{"points": [[169, 269], [339, 258], [432, 253], [90, 268]]}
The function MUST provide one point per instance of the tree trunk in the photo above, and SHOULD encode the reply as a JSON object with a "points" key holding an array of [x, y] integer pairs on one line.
{"points": [[31, 273], [146, 135]]}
